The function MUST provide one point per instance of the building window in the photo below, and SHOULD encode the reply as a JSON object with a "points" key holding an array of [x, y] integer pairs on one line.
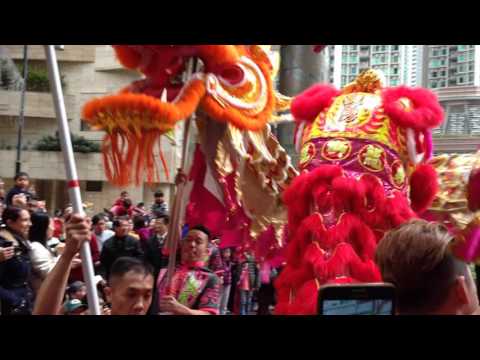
{"points": [[462, 58], [94, 186], [433, 74], [353, 47], [444, 51], [470, 55], [395, 47], [470, 67], [460, 80], [462, 47], [443, 73], [442, 83], [433, 84], [470, 78], [434, 63]]}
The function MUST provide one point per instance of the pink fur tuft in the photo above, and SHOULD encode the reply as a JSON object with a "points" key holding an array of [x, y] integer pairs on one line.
{"points": [[308, 105], [426, 113]]}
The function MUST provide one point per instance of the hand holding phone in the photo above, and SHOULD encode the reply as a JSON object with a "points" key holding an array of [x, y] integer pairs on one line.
{"points": [[20, 200], [6, 253], [357, 299]]}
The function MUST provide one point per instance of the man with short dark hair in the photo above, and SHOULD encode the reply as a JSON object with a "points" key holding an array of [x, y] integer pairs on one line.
{"points": [[429, 279], [99, 224], [120, 245], [130, 287], [159, 207], [194, 289], [154, 247]]}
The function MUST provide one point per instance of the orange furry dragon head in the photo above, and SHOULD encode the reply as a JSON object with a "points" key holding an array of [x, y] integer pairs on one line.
{"points": [[233, 85]]}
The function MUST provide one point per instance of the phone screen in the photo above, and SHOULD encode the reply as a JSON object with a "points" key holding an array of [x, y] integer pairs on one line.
{"points": [[358, 307]]}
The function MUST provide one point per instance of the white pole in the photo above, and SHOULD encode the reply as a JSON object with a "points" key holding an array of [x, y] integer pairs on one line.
{"points": [[71, 172]]}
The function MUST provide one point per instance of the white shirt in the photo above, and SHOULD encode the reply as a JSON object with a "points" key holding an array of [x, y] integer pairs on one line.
{"points": [[104, 236], [43, 261]]}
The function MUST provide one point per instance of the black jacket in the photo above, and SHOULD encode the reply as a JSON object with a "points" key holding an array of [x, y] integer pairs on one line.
{"points": [[115, 248], [153, 253], [15, 293]]}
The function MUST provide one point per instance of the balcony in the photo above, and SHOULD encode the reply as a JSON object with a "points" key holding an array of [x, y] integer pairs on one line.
{"points": [[46, 165], [37, 105], [458, 93], [71, 53], [456, 144]]}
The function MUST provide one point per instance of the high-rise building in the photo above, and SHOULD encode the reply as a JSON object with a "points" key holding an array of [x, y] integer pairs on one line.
{"points": [[453, 73], [399, 63], [452, 65]]}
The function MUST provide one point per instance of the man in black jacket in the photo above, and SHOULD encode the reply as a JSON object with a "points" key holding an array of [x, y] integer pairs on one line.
{"points": [[120, 245], [155, 255], [154, 246]]}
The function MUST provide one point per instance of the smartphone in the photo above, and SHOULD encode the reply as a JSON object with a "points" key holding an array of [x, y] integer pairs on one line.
{"points": [[357, 299], [7, 244]]}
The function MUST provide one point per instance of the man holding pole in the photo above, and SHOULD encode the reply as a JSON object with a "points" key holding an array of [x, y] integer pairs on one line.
{"points": [[194, 289], [130, 283]]}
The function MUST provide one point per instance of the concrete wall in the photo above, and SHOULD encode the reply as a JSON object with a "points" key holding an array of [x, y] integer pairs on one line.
{"points": [[38, 105], [34, 130], [74, 53]]}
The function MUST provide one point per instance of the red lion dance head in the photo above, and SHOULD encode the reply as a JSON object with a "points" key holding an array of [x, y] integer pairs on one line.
{"points": [[363, 153]]}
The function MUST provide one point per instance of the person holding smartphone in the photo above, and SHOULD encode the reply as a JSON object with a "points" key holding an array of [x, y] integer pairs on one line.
{"points": [[22, 183], [15, 265], [417, 258]]}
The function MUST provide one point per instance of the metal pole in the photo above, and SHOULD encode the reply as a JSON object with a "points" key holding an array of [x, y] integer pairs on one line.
{"points": [[21, 119], [175, 226], [71, 172]]}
